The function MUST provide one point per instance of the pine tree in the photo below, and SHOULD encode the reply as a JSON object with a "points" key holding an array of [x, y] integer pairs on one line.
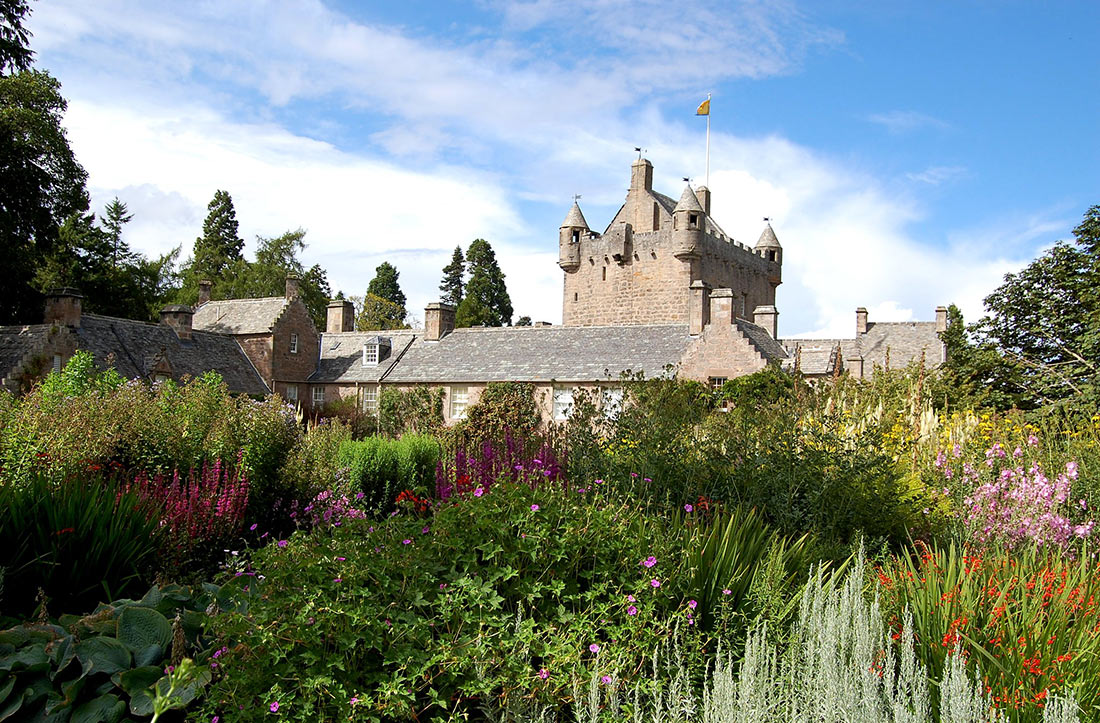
{"points": [[220, 246], [487, 301], [384, 285], [452, 283], [117, 216]]}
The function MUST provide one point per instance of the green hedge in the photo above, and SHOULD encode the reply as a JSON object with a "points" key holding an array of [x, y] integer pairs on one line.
{"points": [[380, 468]]}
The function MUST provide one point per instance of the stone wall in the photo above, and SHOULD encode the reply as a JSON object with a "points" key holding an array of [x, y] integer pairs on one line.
{"points": [[720, 351], [287, 366]]}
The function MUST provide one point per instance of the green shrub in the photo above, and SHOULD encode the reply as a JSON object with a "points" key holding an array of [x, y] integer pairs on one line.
{"points": [[504, 408], [80, 540], [110, 663], [312, 464], [381, 468], [418, 410], [458, 613]]}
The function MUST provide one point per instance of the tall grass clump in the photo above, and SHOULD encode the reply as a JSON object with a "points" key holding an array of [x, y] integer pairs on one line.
{"points": [[381, 468]]}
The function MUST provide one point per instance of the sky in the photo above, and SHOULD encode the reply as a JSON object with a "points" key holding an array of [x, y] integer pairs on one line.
{"points": [[909, 153]]}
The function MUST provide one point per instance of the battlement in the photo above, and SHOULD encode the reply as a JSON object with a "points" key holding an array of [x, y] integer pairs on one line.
{"points": [[639, 270]]}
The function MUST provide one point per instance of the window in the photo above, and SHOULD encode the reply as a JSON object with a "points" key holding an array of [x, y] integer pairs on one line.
{"points": [[161, 378], [293, 343], [57, 363], [370, 354], [717, 382], [318, 396], [370, 400], [563, 403], [611, 401], [459, 400], [693, 220], [576, 236], [656, 217], [605, 273], [292, 393]]}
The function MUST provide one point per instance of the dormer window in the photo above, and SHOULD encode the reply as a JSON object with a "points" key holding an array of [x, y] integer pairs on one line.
{"points": [[375, 349]]}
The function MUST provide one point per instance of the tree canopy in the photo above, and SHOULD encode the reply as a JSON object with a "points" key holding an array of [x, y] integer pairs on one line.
{"points": [[486, 300], [374, 312], [451, 287], [384, 285], [15, 52]]}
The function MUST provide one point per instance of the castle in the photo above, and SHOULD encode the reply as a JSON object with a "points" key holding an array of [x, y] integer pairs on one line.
{"points": [[663, 287]]}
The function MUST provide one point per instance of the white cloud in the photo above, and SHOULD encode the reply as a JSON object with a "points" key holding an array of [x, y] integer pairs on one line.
{"points": [[907, 121], [937, 175]]}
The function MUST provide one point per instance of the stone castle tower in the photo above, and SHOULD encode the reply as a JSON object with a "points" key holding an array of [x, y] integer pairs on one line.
{"points": [[642, 268]]}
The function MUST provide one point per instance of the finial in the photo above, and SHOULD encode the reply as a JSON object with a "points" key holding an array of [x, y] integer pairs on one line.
{"points": [[576, 197]]}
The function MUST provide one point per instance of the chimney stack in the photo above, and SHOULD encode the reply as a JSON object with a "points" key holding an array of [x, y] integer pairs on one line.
{"points": [[941, 319], [703, 194], [699, 311], [204, 292], [861, 320], [292, 290], [178, 317], [63, 307], [439, 320], [340, 316], [641, 175], [721, 306], [768, 318]]}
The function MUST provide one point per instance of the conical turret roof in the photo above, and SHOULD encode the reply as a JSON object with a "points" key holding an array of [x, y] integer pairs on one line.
{"points": [[575, 219], [767, 239], [688, 201]]}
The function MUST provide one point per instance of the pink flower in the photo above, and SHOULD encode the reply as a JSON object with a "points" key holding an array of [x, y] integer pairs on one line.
{"points": [[606, 680], [274, 707], [282, 543], [727, 591], [630, 598], [337, 579], [406, 541], [655, 582], [692, 604], [354, 700], [543, 673], [650, 561], [341, 559], [632, 610], [254, 526], [534, 508], [479, 492], [593, 648], [688, 508]]}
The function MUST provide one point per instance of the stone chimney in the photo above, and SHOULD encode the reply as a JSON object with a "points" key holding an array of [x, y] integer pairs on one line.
{"points": [[861, 320], [340, 316], [768, 318], [204, 292], [178, 317], [941, 319], [703, 194], [641, 175], [63, 307], [439, 321], [292, 287], [699, 309], [721, 306]]}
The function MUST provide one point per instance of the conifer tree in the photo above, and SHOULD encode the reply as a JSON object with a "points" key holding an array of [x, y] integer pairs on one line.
{"points": [[384, 285], [220, 245], [487, 301], [452, 284]]}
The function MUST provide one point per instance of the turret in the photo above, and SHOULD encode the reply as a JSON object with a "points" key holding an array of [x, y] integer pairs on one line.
{"points": [[572, 230], [687, 225], [767, 246]]}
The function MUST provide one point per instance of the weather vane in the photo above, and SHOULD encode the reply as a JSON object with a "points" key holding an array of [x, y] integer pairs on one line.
{"points": [[576, 197], [640, 151], [767, 219]]}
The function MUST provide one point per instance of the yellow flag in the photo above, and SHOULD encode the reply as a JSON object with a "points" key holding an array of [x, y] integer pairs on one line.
{"points": [[704, 108]]}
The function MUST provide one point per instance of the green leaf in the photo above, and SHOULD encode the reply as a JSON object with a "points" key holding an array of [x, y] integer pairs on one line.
{"points": [[63, 653], [138, 679], [5, 690], [14, 636], [69, 693], [104, 709], [32, 658], [12, 706], [150, 656], [102, 655], [140, 628]]}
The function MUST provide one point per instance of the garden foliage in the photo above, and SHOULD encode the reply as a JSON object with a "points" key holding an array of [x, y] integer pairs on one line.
{"points": [[381, 468]]}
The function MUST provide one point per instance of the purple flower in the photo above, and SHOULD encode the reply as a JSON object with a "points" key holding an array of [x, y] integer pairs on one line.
{"points": [[606, 680], [479, 492], [406, 541], [354, 700], [254, 526], [650, 561], [593, 648], [543, 673], [337, 579], [655, 582], [341, 559], [426, 530], [282, 543], [274, 707], [727, 591], [632, 610], [688, 508], [534, 508], [599, 481], [630, 598], [692, 604]]}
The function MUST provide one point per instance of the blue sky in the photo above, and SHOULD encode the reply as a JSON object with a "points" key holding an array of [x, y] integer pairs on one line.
{"points": [[910, 153]]}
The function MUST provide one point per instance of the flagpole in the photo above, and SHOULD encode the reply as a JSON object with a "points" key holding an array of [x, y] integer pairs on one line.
{"points": [[708, 140]]}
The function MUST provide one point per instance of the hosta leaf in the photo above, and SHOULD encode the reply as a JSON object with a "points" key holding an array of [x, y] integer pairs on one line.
{"points": [[139, 628], [104, 709], [102, 655]]}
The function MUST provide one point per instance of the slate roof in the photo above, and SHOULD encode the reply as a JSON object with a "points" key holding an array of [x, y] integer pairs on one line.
{"points": [[768, 239], [905, 340], [342, 356], [136, 347], [240, 316], [768, 347], [542, 353], [689, 201], [575, 218], [16, 341], [818, 357]]}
